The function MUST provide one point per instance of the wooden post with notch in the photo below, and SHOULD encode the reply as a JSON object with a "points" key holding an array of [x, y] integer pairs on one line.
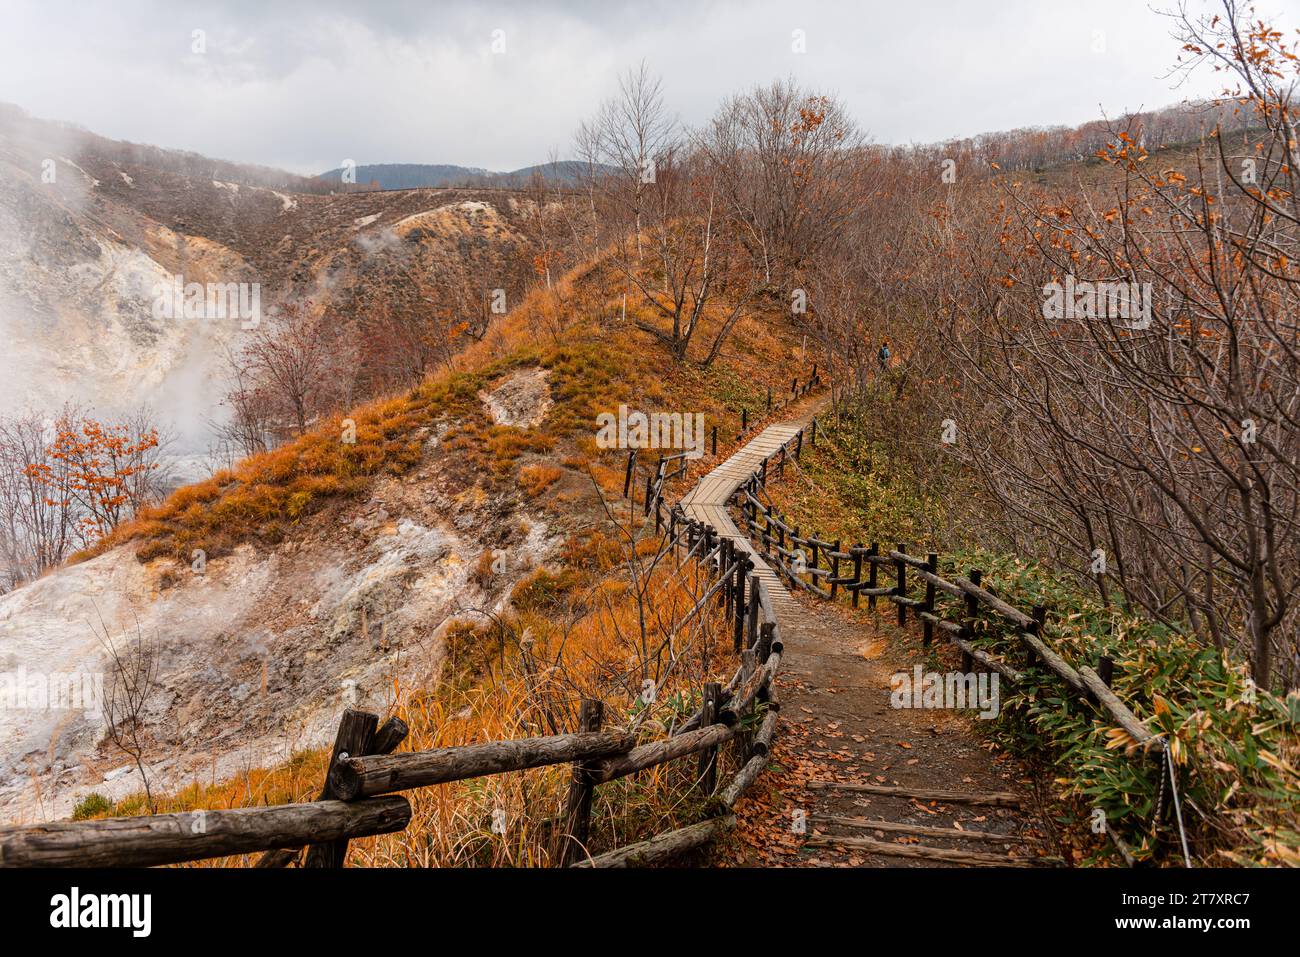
{"points": [[386, 740], [577, 811], [355, 736], [835, 567]]}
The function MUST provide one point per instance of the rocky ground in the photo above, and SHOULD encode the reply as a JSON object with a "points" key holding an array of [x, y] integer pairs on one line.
{"points": [[259, 653]]}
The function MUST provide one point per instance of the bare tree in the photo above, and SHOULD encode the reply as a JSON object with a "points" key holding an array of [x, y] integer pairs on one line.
{"points": [[631, 134], [787, 162], [132, 681], [303, 361]]}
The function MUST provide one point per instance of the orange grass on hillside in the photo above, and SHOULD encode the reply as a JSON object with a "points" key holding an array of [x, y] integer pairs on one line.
{"points": [[601, 634], [597, 625]]}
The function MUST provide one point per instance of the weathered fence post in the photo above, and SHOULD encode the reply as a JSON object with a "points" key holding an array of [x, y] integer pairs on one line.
{"points": [[781, 465], [627, 476], [649, 486], [769, 398], [744, 417], [812, 433], [355, 736], [764, 645], [857, 573], [708, 766], [972, 608], [872, 583], [932, 566], [1040, 619], [577, 811], [901, 589], [386, 740], [835, 567], [743, 565], [715, 440], [726, 593], [798, 445], [1105, 669], [753, 608], [745, 736], [796, 544]]}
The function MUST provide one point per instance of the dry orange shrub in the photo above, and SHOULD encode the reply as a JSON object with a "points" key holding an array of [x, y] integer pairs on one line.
{"points": [[537, 478]]}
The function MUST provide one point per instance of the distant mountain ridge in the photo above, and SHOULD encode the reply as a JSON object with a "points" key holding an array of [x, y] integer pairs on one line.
{"points": [[437, 175]]}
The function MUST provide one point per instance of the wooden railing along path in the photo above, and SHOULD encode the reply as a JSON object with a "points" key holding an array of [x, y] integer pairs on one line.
{"points": [[832, 570]]}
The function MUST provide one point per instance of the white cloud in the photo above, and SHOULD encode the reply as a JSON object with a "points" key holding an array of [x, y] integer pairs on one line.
{"points": [[305, 85]]}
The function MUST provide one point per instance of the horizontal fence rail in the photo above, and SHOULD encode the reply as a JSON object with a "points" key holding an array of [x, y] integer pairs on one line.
{"points": [[194, 835]]}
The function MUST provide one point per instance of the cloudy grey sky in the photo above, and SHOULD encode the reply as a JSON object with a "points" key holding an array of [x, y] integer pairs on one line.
{"points": [[305, 84]]}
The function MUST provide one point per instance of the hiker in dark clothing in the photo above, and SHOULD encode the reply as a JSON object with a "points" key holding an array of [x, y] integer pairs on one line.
{"points": [[884, 355]]}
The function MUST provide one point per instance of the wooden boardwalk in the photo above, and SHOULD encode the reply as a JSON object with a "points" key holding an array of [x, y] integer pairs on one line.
{"points": [[872, 778], [707, 502]]}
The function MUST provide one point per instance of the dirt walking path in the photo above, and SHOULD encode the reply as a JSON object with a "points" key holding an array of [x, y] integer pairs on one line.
{"points": [[854, 780], [838, 725]]}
